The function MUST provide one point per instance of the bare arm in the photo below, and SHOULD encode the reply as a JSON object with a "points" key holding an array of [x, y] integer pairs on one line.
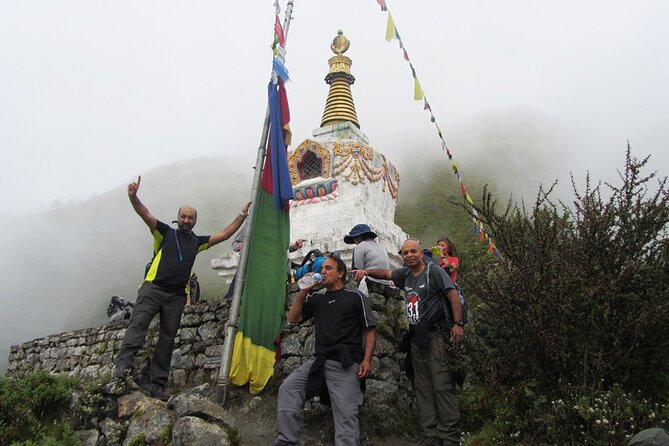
{"points": [[297, 244], [139, 207], [453, 266], [457, 333], [231, 229], [365, 368], [295, 311], [375, 273]]}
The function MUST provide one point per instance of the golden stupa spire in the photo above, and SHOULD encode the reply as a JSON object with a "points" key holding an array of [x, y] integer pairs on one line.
{"points": [[339, 105]]}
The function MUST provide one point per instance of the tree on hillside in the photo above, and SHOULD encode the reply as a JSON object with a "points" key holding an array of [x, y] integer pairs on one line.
{"points": [[580, 299]]}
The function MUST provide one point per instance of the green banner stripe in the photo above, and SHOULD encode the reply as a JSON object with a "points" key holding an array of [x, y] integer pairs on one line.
{"points": [[262, 312]]}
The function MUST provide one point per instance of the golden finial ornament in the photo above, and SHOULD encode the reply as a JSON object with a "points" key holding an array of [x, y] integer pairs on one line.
{"points": [[340, 43], [339, 105]]}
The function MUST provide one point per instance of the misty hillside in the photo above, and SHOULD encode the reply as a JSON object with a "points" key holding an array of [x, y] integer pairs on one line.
{"points": [[62, 266]]}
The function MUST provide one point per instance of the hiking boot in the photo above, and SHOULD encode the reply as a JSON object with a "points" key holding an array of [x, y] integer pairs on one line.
{"points": [[158, 392], [120, 372]]}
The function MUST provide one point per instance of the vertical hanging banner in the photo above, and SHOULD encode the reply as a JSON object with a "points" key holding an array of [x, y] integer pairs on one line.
{"points": [[262, 312]]}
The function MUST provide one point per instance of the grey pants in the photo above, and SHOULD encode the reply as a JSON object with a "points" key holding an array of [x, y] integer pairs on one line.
{"points": [[345, 394], [436, 399], [152, 300]]}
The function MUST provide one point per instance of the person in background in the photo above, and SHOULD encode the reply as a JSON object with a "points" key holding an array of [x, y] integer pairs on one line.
{"points": [[435, 327], [368, 253], [448, 260], [164, 289], [345, 339]]}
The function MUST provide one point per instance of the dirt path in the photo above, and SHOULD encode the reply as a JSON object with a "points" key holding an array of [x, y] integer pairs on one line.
{"points": [[255, 420]]}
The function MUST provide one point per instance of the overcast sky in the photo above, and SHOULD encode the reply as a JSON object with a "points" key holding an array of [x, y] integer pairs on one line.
{"points": [[93, 93]]}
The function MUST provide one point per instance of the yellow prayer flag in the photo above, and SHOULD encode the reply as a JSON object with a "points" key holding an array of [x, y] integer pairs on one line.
{"points": [[417, 90], [390, 28], [469, 199]]}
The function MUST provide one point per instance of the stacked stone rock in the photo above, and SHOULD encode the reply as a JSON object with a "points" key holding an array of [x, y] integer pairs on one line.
{"points": [[89, 354]]}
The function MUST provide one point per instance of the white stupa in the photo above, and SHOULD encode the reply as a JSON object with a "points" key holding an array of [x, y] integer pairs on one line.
{"points": [[338, 179]]}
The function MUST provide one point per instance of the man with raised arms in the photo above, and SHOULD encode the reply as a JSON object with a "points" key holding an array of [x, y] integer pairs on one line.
{"points": [[164, 288]]}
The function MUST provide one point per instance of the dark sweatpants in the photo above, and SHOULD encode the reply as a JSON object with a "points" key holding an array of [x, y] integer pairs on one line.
{"points": [[152, 300], [345, 396], [436, 397]]}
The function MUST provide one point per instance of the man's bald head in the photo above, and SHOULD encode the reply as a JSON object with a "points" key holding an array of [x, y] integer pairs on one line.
{"points": [[186, 218], [412, 254], [411, 242], [191, 208]]}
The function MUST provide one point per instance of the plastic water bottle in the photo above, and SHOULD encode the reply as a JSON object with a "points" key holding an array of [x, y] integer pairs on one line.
{"points": [[309, 281]]}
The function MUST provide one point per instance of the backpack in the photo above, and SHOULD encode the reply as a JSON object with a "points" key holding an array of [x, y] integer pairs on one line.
{"points": [[119, 309], [447, 311], [312, 263]]}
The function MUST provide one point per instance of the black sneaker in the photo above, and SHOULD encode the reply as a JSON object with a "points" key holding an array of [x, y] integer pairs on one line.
{"points": [[158, 392]]}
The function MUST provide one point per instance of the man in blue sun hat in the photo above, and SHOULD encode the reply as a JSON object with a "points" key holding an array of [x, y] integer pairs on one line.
{"points": [[368, 253]]}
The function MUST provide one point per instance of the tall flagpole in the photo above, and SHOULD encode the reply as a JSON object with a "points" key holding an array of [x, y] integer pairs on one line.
{"points": [[223, 380]]}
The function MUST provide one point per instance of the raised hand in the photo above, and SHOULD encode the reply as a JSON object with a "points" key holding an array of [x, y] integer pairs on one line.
{"points": [[134, 187]]}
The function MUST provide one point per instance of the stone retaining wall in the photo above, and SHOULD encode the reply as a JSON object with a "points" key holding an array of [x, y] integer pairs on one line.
{"points": [[89, 353]]}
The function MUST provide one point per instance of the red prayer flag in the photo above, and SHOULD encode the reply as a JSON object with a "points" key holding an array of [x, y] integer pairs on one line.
{"points": [[278, 30]]}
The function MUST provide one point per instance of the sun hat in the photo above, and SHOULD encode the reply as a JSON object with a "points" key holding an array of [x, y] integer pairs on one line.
{"points": [[357, 231]]}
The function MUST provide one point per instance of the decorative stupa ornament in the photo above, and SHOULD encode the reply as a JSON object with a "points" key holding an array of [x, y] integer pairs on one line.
{"points": [[339, 105], [339, 180]]}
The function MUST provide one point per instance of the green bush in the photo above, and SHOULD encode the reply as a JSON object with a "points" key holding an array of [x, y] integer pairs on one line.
{"points": [[579, 297], [91, 404], [30, 407], [62, 434], [605, 417]]}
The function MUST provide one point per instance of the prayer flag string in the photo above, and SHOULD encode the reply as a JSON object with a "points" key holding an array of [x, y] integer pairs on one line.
{"points": [[419, 95]]}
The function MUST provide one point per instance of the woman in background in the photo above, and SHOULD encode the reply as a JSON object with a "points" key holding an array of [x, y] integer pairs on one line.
{"points": [[448, 260]]}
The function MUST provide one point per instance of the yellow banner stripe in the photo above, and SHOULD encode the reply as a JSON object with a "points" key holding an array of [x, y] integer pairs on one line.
{"points": [[250, 363]]}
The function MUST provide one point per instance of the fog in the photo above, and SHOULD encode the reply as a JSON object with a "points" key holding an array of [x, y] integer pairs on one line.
{"points": [[93, 94]]}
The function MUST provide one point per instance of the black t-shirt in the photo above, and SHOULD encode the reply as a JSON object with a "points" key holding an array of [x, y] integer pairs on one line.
{"points": [[173, 256], [422, 301], [339, 318]]}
